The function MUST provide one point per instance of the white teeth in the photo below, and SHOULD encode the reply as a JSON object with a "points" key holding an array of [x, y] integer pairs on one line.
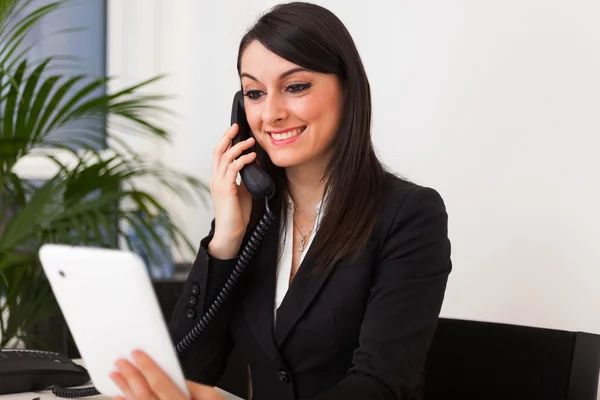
{"points": [[287, 135]]}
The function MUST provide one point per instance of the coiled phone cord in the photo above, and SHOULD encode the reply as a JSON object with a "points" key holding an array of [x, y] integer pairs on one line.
{"points": [[238, 270], [240, 265], [74, 393]]}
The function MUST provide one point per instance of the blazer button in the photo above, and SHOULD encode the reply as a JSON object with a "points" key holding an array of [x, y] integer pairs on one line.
{"points": [[283, 376], [193, 300], [195, 289], [191, 313]]}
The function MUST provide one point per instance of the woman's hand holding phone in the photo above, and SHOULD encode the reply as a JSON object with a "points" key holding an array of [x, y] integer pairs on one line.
{"points": [[232, 202]]}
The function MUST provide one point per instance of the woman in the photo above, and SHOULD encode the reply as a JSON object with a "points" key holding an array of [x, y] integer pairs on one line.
{"points": [[342, 297]]}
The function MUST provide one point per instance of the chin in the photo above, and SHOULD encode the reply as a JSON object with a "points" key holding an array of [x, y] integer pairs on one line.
{"points": [[283, 163]]}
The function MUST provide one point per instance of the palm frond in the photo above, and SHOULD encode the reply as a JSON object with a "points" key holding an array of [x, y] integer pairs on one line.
{"points": [[95, 199], [14, 30]]}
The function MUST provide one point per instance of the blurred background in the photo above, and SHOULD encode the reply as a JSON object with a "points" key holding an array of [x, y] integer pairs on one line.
{"points": [[496, 104], [493, 103]]}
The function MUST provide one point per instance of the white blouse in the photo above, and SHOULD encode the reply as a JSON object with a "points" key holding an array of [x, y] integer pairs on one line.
{"points": [[284, 266]]}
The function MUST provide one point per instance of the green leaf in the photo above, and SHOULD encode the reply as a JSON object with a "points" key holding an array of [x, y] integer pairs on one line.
{"points": [[27, 219], [53, 106], [36, 114], [70, 106], [11, 100], [28, 95]]}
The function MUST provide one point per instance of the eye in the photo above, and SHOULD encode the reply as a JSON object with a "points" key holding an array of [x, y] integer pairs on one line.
{"points": [[298, 87], [253, 94]]}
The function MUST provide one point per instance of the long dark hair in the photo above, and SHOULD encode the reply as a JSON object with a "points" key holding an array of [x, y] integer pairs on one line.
{"points": [[314, 38]]}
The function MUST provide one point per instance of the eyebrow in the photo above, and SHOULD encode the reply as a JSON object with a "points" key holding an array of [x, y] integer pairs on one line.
{"points": [[283, 75]]}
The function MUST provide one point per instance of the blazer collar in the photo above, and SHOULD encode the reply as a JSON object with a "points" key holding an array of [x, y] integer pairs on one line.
{"points": [[259, 303], [306, 285]]}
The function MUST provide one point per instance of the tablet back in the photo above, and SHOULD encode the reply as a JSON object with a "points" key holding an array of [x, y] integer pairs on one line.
{"points": [[109, 304]]}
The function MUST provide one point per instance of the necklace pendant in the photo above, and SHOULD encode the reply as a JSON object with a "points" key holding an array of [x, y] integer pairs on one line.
{"points": [[301, 247]]}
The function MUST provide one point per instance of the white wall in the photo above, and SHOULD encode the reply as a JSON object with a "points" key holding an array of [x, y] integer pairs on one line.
{"points": [[494, 103]]}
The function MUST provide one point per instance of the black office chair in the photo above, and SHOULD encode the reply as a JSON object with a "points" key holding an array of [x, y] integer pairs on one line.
{"points": [[479, 360]]}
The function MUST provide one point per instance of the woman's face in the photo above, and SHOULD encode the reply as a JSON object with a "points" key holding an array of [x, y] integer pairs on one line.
{"points": [[294, 113]]}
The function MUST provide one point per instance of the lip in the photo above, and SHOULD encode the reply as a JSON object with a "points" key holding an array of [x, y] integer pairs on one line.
{"points": [[288, 140], [285, 130]]}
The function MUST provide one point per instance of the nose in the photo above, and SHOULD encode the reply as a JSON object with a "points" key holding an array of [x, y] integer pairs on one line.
{"points": [[274, 110]]}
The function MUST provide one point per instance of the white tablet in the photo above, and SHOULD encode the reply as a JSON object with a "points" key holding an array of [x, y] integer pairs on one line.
{"points": [[109, 304]]}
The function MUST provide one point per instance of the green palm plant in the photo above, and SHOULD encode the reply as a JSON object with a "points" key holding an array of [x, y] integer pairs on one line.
{"points": [[91, 200]]}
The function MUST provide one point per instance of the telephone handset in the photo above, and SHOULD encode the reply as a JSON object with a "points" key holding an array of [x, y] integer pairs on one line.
{"points": [[260, 185]]}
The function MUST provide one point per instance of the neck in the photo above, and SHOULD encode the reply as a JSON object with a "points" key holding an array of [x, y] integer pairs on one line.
{"points": [[305, 185]]}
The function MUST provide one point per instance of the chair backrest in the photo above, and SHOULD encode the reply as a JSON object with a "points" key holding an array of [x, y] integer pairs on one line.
{"points": [[480, 360]]}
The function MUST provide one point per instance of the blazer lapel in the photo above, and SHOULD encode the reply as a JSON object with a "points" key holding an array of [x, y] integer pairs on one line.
{"points": [[259, 303], [301, 293]]}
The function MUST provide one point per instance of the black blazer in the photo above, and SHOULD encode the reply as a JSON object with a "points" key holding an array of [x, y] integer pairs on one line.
{"points": [[359, 331]]}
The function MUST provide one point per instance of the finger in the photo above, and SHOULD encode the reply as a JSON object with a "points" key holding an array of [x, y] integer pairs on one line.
{"points": [[137, 383], [157, 379], [121, 383], [224, 144], [230, 155], [236, 166]]}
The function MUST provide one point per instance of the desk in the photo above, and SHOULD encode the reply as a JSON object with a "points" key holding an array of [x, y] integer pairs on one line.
{"points": [[47, 394]]}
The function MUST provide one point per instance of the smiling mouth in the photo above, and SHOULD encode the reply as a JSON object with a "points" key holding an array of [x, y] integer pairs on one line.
{"points": [[288, 134]]}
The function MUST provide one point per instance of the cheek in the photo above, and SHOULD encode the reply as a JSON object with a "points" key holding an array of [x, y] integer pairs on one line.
{"points": [[254, 120], [322, 108], [327, 117], [306, 109]]}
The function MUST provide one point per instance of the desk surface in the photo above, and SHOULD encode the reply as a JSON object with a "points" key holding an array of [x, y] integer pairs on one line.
{"points": [[47, 394]]}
